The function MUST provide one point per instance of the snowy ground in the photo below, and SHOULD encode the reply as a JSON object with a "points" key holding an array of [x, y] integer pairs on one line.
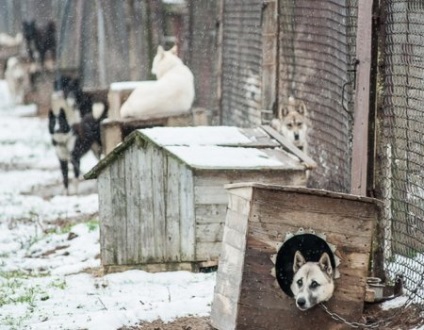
{"points": [[49, 247]]}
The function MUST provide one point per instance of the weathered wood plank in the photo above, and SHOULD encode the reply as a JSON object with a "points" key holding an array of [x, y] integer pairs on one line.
{"points": [[187, 218], [132, 178], [173, 235], [210, 195], [210, 232], [208, 250], [158, 192], [119, 200], [107, 242], [210, 213], [147, 233]]}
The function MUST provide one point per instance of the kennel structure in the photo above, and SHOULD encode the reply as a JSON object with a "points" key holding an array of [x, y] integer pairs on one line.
{"points": [[260, 219], [162, 201]]}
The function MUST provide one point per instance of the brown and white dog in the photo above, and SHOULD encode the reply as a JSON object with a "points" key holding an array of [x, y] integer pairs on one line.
{"points": [[313, 282], [292, 123]]}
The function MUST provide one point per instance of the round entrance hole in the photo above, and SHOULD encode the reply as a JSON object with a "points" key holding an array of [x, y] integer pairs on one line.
{"points": [[310, 245]]}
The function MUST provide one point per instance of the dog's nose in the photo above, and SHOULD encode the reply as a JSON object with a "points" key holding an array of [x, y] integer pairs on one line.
{"points": [[296, 136], [301, 302]]}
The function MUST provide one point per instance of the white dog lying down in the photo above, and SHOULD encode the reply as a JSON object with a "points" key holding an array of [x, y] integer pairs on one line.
{"points": [[172, 92]]}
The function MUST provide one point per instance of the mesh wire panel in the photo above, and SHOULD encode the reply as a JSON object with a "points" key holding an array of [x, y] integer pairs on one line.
{"points": [[241, 63], [317, 50], [202, 55], [401, 146]]}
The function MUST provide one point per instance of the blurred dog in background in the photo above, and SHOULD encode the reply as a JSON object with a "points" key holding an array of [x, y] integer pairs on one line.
{"points": [[74, 125], [17, 79]]}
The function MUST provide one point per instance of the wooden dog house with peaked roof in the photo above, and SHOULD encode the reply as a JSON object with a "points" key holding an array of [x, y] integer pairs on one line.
{"points": [[161, 192], [250, 292]]}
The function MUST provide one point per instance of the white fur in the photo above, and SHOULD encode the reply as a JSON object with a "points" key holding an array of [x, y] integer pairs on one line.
{"points": [[57, 101], [292, 123], [98, 109], [17, 79], [313, 282], [172, 92], [7, 40]]}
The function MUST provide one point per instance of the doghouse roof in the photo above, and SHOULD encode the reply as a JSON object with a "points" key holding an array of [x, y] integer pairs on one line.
{"points": [[211, 147]]}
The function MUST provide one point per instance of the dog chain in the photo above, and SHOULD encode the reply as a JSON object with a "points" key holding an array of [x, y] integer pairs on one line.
{"points": [[339, 318]]}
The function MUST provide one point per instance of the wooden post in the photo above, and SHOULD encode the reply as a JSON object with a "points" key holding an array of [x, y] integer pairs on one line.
{"points": [[269, 53], [362, 102]]}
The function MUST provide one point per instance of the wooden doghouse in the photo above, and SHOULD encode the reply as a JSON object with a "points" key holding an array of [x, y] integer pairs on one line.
{"points": [[249, 294], [162, 197], [114, 129]]}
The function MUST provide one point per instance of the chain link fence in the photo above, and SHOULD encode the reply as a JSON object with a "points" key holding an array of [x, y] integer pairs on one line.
{"points": [[316, 63], [400, 148], [241, 63], [202, 38]]}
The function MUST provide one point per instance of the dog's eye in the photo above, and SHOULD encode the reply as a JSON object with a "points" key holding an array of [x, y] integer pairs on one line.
{"points": [[314, 284], [289, 125], [299, 124], [299, 282]]}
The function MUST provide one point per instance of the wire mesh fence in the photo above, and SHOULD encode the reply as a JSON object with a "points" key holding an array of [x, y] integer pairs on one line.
{"points": [[317, 52], [400, 148], [241, 63], [202, 36]]}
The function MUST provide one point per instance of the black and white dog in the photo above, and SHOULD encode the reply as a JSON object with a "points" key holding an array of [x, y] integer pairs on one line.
{"points": [[74, 131], [40, 40]]}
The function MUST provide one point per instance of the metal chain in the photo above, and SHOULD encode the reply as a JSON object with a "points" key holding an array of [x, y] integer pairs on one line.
{"points": [[339, 318]]}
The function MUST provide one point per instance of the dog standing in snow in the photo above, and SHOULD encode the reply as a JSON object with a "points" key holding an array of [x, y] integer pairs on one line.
{"points": [[172, 92], [74, 126], [17, 79]]}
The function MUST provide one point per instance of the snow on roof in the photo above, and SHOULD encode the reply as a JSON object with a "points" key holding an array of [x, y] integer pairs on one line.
{"points": [[200, 135], [218, 147], [218, 157]]}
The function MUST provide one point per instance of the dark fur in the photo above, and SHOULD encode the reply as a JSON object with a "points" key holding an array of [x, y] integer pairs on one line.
{"points": [[29, 31], [86, 133], [40, 40], [84, 101]]}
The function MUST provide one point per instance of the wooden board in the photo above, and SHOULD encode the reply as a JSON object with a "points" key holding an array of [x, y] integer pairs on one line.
{"points": [[270, 212]]}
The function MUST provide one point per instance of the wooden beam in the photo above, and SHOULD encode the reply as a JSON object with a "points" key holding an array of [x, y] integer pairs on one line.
{"points": [[362, 102]]}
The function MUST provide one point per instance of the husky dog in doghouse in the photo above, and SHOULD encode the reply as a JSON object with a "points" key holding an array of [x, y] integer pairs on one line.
{"points": [[172, 92], [313, 282], [292, 123]]}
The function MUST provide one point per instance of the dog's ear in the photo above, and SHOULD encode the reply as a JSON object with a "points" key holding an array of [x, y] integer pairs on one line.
{"points": [[299, 261], [174, 50], [325, 264], [284, 111], [301, 108], [160, 50]]}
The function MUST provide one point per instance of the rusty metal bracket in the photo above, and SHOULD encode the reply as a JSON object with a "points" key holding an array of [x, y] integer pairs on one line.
{"points": [[354, 70]]}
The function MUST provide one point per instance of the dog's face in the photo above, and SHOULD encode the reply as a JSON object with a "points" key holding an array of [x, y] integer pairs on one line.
{"points": [[58, 123], [164, 60], [293, 123], [313, 282]]}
